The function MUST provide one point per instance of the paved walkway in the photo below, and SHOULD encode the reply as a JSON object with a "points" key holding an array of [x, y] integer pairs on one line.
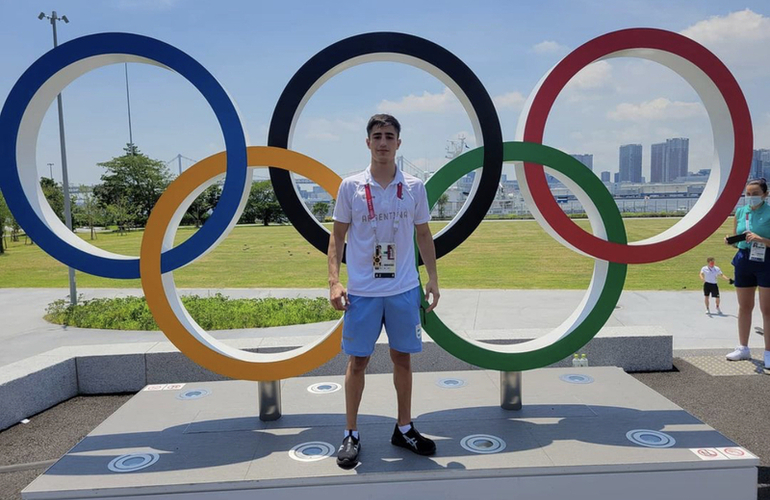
{"points": [[24, 333]]}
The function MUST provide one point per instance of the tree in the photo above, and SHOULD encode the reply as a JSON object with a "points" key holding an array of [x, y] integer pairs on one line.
{"points": [[122, 214], [15, 229], [201, 208], [134, 180], [262, 205], [320, 209], [89, 213], [442, 203], [54, 193]]}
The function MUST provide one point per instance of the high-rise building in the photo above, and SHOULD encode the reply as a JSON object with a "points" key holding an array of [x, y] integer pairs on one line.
{"points": [[587, 160], [631, 163], [669, 160], [658, 162], [760, 164], [605, 176], [677, 153], [764, 155]]}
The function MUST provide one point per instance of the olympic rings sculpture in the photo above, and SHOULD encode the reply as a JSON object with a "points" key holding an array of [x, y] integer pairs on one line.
{"points": [[25, 107]]}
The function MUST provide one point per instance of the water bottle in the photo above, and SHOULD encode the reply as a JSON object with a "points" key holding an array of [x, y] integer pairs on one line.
{"points": [[583, 360], [575, 361]]}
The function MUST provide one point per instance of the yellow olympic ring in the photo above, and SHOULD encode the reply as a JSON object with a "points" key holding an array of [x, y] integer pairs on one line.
{"points": [[161, 292]]}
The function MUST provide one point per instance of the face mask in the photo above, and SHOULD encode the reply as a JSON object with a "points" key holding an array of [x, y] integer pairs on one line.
{"points": [[754, 201]]}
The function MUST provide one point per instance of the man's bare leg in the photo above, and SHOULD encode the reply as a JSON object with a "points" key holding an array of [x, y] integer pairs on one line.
{"points": [[402, 379], [354, 388]]}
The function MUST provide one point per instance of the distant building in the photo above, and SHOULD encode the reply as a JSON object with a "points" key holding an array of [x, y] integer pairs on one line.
{"points": [[677, 155], [631, 163], [466, 182], [669, 160], [605, 176], [658, 162], [587, 160], [760, 164]]}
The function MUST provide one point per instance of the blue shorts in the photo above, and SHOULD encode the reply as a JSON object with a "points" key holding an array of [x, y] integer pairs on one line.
{"points": [[365, 317], [748, 273]]}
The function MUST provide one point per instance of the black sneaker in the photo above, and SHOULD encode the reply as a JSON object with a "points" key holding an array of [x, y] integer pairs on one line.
{"points": [[413, 441], [347, 455]]}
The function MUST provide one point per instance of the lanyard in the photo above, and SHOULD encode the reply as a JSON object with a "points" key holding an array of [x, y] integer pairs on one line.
{"points": [[748, 224], [373, 215]]}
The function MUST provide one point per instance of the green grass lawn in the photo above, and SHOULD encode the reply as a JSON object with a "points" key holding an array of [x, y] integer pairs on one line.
{"points": [[516, 254]]}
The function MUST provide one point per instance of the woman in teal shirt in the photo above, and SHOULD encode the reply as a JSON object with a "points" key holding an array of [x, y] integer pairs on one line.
{"points": [[752, 266]]}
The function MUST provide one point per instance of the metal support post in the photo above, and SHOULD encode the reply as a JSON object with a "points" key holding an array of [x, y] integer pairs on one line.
{"points": [[269, 400], [510, 390]]}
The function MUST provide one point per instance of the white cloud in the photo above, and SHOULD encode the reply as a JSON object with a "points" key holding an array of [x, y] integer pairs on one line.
{"points": [[740, 39], [656, 109], [592, 83], [735, 27], [322, 129], [425, 103], [594, 76], [549, 47], [510, 100]]}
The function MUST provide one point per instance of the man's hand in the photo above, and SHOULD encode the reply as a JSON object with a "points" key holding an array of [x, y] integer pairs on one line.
{"points": [[431, 290], [338, 297]]}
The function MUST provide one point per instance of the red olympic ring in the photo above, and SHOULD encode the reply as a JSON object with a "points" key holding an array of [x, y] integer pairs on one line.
{"points": [[613, 44]]}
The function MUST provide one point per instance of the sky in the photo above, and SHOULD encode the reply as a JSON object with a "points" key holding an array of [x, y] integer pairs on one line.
{"points": [[254, 48]]}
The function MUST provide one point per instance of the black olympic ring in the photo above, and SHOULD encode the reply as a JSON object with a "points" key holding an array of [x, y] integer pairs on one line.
{"points": [[303, 82]]}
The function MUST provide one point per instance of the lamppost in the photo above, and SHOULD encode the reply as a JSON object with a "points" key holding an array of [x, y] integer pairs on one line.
{"points": [[128, 104], [65, 178]]}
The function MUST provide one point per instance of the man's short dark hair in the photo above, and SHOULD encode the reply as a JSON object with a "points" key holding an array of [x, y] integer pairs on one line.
{"points": [[382, 120]]}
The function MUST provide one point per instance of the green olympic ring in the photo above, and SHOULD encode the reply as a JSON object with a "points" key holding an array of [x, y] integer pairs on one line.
{"points": [[603, 292]]}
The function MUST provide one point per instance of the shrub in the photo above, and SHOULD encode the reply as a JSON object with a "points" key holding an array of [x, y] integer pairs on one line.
{"points": [[211, 313]]}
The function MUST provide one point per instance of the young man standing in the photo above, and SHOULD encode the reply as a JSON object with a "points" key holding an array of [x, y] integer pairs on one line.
{"points": [[379, 211]]}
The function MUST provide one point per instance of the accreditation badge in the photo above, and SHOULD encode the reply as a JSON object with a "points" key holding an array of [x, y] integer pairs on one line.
{"points": [[757, 253], [384, 260]]}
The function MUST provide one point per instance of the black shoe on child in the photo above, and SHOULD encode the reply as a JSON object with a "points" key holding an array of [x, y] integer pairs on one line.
{"points": [[413, 441], [347, 455]]}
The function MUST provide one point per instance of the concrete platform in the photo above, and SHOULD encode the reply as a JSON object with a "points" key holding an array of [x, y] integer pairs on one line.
{"points": [[118, 368], [569, 441]]}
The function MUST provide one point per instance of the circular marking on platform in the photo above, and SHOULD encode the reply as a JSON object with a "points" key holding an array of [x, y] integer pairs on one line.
{"points": [[311, 452], [324, 388], [450, 383], [193, 394], [650, 439], [133, 462], [482, 443], [576, 378], [734, 452]]}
